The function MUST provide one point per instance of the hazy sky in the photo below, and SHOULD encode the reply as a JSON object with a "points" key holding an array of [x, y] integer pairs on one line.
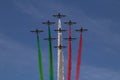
{"points": [[18, 47]]}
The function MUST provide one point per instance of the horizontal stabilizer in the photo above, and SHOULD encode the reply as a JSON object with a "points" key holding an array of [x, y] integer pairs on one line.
{"points": [[60, 30], [37, 31], [60, 47], [50, 38], [70, 38]]}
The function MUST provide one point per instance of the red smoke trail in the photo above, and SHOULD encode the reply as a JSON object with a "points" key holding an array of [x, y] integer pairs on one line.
{"points": [[69, 56], [79, 58]]}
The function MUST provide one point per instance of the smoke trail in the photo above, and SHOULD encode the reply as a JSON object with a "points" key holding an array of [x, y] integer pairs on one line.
{"points": [[50, 56], [60, 55], [62, 66], [69, 61], [79, 58], [40, 60], [69, 55]]}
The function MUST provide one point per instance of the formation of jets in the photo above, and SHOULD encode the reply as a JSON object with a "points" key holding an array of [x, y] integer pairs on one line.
{"points": [[59, 15]]}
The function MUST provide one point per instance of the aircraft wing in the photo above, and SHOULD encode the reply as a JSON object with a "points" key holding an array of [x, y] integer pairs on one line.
{"points": [[66, 38], [40, 30], [74, 38], [55, 46], [32, 31], [63, 15], [85, 29], [63, 46]]}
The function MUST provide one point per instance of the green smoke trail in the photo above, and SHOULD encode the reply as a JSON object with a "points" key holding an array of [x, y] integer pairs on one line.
{"points": [[50, 56], [40, 60]]}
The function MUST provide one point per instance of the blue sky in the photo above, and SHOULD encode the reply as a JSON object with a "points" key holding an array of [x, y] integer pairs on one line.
{"points": [[18, 48]]}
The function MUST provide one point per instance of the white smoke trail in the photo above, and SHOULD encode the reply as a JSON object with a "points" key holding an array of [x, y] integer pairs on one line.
{"points": [[60, 54]]}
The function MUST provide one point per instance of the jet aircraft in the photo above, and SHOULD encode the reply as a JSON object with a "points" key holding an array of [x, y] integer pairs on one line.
{"points": [[70, 22], [59, 15], [60, 46], [37, 31], [48, 23], [60, 30], [81, 30]]}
